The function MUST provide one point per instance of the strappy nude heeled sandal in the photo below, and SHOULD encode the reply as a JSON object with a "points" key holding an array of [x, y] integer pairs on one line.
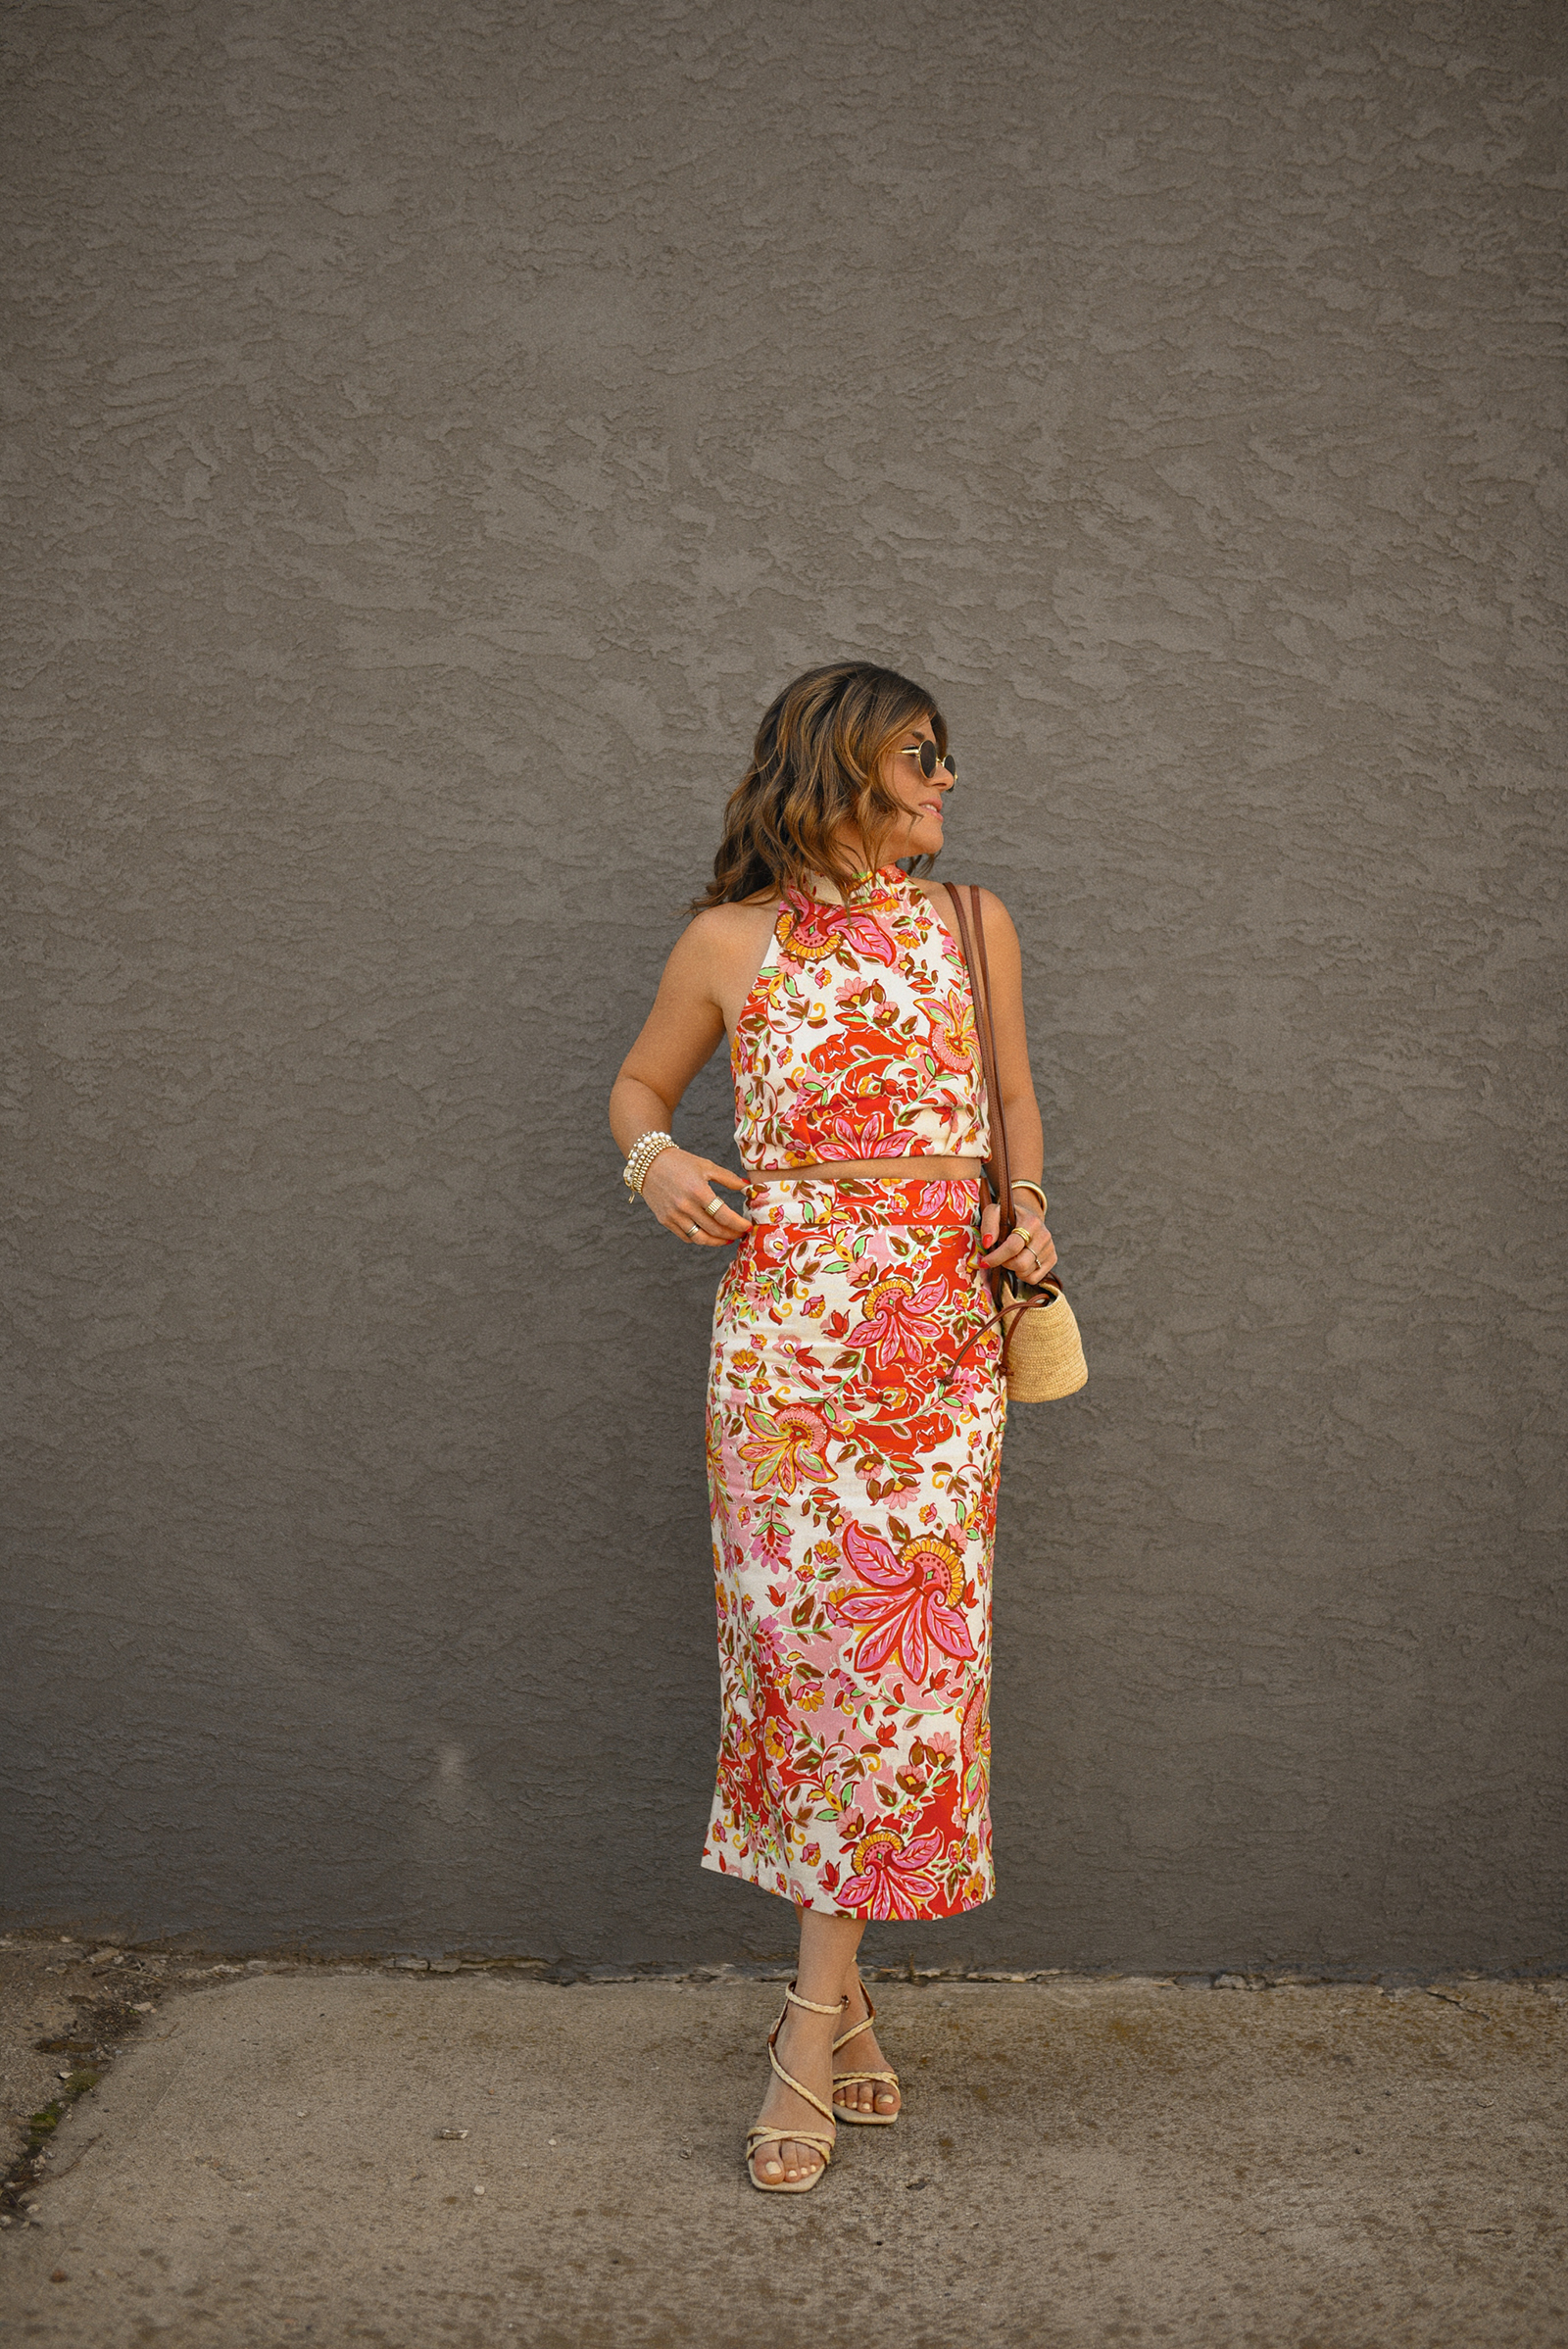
{"points": [[758, 2136], [851, 2080]]}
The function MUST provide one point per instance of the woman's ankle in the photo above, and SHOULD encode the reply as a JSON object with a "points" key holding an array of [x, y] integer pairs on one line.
{"points": [[820, 2000], [812, 2027]]}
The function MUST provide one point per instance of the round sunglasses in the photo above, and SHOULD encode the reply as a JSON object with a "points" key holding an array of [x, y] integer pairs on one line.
{"points": [[927, 755]]}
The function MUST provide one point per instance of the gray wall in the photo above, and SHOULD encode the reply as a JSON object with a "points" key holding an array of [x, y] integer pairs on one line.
{"points": [[439, 429]]}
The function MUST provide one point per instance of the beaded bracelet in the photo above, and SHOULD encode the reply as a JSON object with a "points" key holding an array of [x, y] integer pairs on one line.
{"points": [[644, 1151]]}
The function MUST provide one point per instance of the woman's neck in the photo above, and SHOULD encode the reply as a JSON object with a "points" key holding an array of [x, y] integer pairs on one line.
{"points": [[828, 890]]}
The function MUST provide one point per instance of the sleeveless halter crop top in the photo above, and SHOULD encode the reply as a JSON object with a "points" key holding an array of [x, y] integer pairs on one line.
{"points": [[857, 1038]]}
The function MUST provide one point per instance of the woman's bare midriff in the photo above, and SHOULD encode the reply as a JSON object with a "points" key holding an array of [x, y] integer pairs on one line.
{"points": [[887, 1170]]}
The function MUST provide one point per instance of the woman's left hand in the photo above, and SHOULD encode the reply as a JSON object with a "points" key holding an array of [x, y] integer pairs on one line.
{"points": [[1028, 1250]]}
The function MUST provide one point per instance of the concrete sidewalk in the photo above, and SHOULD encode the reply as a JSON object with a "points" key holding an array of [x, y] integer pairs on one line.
{"points": [[1081, 2161]]}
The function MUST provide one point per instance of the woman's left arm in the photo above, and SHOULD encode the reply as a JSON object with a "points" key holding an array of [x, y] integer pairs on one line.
{"points": [[1029, 1250]]}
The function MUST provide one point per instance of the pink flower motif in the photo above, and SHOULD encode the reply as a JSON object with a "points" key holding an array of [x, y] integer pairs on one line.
{"points": [[898, 1320], [771, 1545], [883, 1245], [890, 1875], [947, 1198], [965, 1388], [811, 930], [911, 1606], [861, 1128]]}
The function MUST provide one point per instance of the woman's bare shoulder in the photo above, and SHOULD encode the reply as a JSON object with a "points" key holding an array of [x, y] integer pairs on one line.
{"points": [[716, 937], [941, 895], [724, 925]]}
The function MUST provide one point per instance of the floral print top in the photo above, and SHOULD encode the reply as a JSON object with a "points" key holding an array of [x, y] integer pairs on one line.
{"points": [[857, 1038]]}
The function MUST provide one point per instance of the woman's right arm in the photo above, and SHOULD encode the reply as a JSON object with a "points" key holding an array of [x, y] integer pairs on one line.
{"points": [[679, 1037]]}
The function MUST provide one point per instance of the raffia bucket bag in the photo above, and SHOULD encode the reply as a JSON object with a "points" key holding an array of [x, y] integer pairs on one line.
{"points": [[1041, 1350]]}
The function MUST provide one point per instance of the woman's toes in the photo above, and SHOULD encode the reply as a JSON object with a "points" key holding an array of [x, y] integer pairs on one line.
{"points": [[785, 2164]]}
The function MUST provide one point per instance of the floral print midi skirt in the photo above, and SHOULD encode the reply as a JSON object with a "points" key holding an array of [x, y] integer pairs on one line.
{"points": [[855, 1418]]}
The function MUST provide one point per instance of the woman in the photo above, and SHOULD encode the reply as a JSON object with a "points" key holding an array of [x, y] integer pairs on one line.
{"points": [[855, 1404]]}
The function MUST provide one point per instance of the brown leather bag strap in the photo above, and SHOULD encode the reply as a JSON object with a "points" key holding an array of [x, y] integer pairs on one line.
{"points": [[979, 968], [998, 1172], [997, 1169]]}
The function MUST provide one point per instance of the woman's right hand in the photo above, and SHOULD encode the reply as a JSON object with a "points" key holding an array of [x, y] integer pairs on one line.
{"points": [[681, 1189]]}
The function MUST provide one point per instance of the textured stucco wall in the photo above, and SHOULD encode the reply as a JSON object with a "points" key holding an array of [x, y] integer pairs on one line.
{"points": [[437, 430]]}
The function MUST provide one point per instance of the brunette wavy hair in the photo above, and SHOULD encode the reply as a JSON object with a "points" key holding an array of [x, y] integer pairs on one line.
{"points": [[817, 763]]}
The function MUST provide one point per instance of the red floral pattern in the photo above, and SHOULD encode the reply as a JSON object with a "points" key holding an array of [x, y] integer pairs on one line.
{"points": [[852, 1452], [857, 1038], [891, 1879], [911, 1605]]}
